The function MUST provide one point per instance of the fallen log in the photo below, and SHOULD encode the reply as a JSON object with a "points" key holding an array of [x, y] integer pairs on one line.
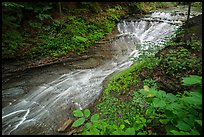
{"points": [[65, 125], [76, 130]]}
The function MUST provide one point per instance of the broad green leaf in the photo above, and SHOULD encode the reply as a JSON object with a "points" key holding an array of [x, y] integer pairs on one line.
{"points": [[161, 94], [78, 122], [114, 126], [183, 126], [169, 128], [115, 133], [97, 124], [199, 122], [149, 111], [169, 107], [189, 120], [143, 92], [192, 80], [164, 121], [85, 132], [87, 113], [142, 133], [130, 131], [194, 132], [78, 113], [127, 121], [171, 97], [122, 126], [95, 118], [180, 113], [158, 103], [94, 131], [143, 120], [196, 95], [88, 126], [11, 4], [169, 114], [174, 106], [118, 132], [153, 91], [193, 111], [192, 100], [179, 132]]}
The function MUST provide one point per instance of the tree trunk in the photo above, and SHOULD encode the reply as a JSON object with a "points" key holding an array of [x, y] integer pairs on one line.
{"points": [[187, 23], [189, 11], [60, 9]]}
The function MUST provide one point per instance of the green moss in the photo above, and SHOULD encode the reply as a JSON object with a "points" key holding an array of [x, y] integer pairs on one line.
{"points": [[122, 82]]}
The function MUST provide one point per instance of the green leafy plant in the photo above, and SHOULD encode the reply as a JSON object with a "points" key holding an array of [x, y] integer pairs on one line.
{"points": [[137, 7], [93, 7], [93, 127], [118, 7], [182, 113], [91, 124], [81, 117], [175, 115], [53, 37], [178, 60], [192, 80], [12, 42], [197, 6], [150, 83], [194, 44], [11, 4], [44, 16]]}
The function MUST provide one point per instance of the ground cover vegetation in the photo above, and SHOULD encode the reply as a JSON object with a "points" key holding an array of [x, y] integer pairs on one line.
{"points": [[139, 105], [32, 30], [159, 94]]}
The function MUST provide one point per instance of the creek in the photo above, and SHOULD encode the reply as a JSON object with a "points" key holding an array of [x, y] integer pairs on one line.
{"points": [[38, 101]]}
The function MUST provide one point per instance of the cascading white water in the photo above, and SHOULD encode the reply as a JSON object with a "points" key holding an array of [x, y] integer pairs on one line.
{"points": [[39, 111]]}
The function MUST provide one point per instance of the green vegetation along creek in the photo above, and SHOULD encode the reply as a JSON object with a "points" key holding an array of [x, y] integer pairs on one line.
{"points": [[153, 94], [157, 95]]}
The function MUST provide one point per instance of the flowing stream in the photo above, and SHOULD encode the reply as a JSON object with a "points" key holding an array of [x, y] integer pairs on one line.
{"points": [[38, 101]]}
